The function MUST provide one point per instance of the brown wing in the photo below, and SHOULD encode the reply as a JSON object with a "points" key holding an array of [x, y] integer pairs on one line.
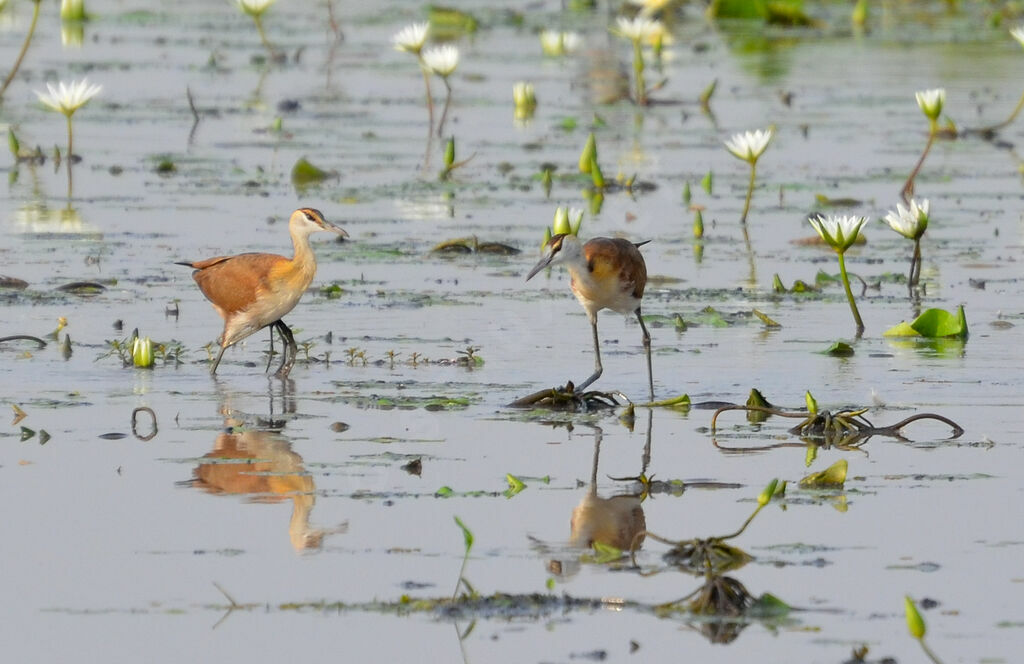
{"points": [[233, 283], [609, 258]]}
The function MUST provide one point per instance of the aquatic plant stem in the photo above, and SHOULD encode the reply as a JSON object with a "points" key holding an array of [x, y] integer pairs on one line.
{"points": [[750, 192], [638, 69], [430, 98], [849, 293], [68, 157], [744, 526], [1013, 116], [915, 264], [258, 20], [928, 651], [24, 48], [908, 187], [447, 103]]}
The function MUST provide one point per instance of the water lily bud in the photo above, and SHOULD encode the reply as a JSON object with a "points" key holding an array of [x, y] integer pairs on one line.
{"points": [[698, 225], [860, 13], [812, 403], [915, 623], [686, 193], [547, 238], [525, 100], [72, 10], [589, 154], [561, 225], [449, 152], [931, 102], [13, 143], [707, 183], [546, 180], [575, 220], [767, 493], [595, 173], [142, 352]]}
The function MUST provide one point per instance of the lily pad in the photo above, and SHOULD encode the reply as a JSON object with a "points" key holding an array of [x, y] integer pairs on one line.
{"points": [[839, 349], [832, 477], [933, 324]]}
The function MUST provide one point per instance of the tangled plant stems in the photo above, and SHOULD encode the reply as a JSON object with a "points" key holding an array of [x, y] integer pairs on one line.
{"points": [[911, 222], [24, 47], [931, 103], [442, 61], [638, 30], [749, 146], [840, 232], [256, 9], [411, 39], [66, 99]]}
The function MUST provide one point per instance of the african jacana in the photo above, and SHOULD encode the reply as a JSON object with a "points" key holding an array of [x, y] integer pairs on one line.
{"points": [[607, 273], [252, 291]]}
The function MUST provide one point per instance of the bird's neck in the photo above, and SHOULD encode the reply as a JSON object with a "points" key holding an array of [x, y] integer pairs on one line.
{"points": [[303, 255]]}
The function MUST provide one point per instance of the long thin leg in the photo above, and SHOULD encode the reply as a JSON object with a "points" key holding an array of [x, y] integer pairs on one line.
{"points": [[647, 351], [216, 362], [270, 355], [598, 369], [291, 350]]}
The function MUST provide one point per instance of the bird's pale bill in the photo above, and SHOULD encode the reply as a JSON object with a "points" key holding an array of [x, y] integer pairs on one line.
{"points": [[551, 250], [411, 38], [910, 222], [931, 102], [1018, 33], [67, 98], [442, 60], [839, 231], [750, 145], [254, 7]]}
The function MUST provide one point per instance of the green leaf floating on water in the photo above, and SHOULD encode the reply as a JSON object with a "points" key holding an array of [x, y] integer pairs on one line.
{"points": [[933, 324], [738, 9], [769, 606], [832, 477], [515, 485], [681, 401], [839, 349], [304, 173]]}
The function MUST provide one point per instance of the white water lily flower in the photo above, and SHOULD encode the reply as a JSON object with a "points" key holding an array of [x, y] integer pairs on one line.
{"points": [[750, 145], [442, 60], [254, 7], [411, 38], [639, 28], [1018, 33], [67, 98], [931, 102], [910, 223], [555, 43], [840, 232]]}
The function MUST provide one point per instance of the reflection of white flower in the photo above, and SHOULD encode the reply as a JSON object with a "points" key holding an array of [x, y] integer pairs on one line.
{"points": [[254, 7], [931, 102], [555, 43], [750, 145], [910, 223], [67, 98], [442, 60], [523, 96], [840, 232], [411, 38], [639, 28], [1018, 33]]}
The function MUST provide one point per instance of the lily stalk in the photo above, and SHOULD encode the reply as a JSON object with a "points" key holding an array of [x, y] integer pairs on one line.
{"points": [[931, 103], [840, 233], [749, 146], [24, 47]]}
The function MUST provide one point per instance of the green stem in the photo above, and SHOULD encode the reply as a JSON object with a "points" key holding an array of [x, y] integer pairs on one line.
{"points": [[744, 526], [908, 188], [928, 651], [24, 48], [638, 69], [68, 157], [750, 192], [1013, 116], [447, 103], [849, 293], [263, 35], [915, 263], [430, 98]]}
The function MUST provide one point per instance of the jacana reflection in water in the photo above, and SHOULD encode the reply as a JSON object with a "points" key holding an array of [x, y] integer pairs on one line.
{"points": [[615, 521], [261, 464]]}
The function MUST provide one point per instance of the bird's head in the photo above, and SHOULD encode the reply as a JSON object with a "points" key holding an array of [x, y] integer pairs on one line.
{"points": [[561, 248], [308, 220]]}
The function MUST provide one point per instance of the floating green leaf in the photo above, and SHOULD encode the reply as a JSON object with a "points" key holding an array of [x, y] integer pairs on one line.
{"points": [[606, 553], [515, 485], [839, 349], [304, 173], [832, 477], [933, 324], [444, 492], [765, 319], [749, 9], [681, 402], [769, 606]]}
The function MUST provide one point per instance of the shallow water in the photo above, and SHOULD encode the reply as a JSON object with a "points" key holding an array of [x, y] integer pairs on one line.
{"points": [[114, 546]]}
